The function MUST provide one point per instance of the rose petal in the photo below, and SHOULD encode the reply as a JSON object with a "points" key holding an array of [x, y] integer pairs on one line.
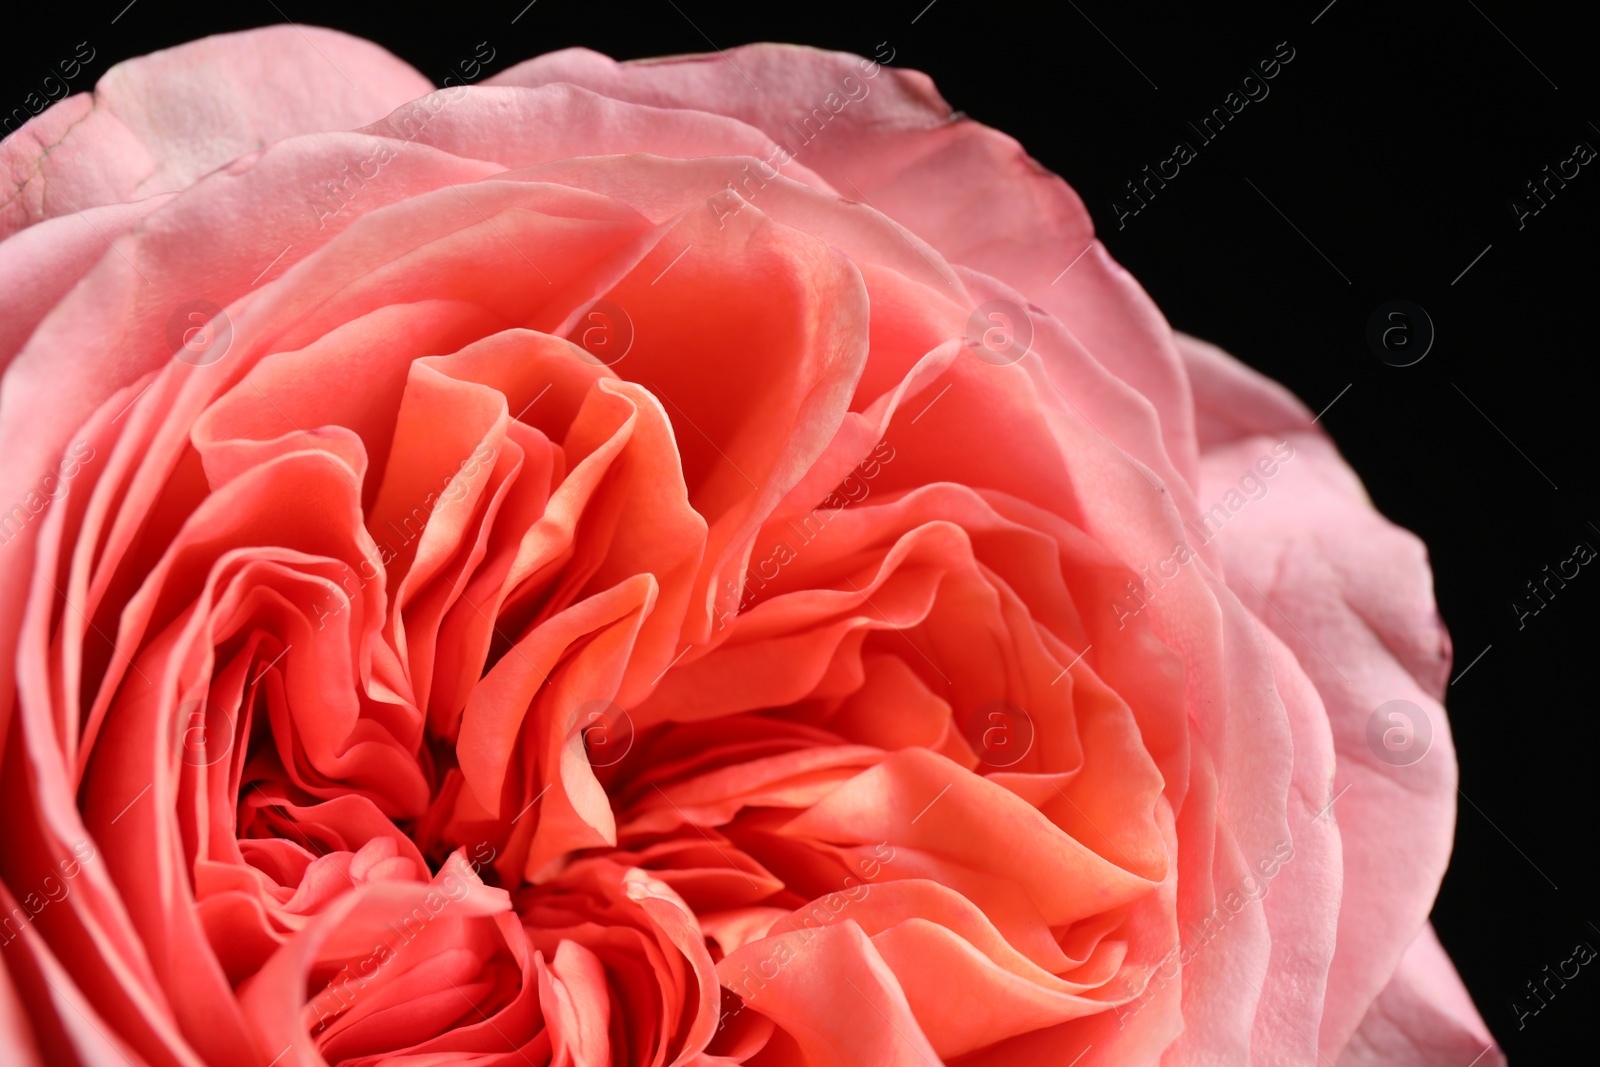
{"points": [[834, 996], [155, 124], [1351, 595], [1423, 1018]]}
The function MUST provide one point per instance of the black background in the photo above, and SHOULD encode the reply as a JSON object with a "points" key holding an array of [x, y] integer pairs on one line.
{"points": [[1383, 162]]}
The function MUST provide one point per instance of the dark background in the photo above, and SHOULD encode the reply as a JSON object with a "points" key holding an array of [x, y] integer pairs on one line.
{"points": [[1383, 162]]}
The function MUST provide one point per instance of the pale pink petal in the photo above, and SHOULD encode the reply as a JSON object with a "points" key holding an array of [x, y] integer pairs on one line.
{"points": [[157, 123], [1423, 1018], [40, 265], [1351, 595]]}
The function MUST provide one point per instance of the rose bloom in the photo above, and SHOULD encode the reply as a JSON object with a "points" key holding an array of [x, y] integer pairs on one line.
{"points": [[701, 561]]}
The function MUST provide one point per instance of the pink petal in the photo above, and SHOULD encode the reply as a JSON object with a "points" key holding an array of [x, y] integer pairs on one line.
{"points": [[1423, 1018], [1351, 595], [155, 124]]}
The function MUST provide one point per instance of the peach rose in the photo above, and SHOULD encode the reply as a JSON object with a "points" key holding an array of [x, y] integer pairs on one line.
{"points": [[615, 565]]}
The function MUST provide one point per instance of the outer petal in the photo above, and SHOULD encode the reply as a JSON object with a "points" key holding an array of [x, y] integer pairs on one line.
{"points": [[1302, 908], [1423, 1017], [42, 265], [157, 123], [1351, 595]]}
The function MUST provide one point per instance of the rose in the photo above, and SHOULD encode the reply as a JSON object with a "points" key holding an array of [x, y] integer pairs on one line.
{"points": [[424, 548]]}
